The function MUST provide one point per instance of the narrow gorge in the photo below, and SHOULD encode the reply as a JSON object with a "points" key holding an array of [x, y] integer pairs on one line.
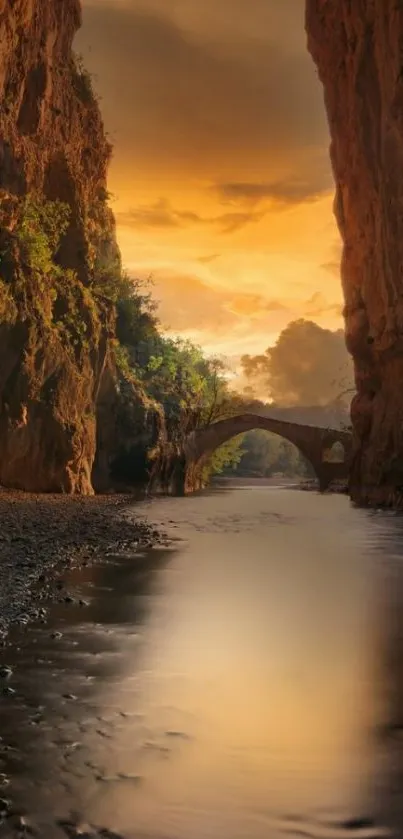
{"points": [[68, 412]]}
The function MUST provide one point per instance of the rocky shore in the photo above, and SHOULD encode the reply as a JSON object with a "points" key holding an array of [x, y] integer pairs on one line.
{"points": [[41, 535]]}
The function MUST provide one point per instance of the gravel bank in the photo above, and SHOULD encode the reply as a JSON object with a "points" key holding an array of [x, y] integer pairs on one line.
{"points": [[41, 535]]}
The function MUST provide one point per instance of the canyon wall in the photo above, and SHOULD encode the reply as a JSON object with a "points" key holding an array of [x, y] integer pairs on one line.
{"points": [[357, 46], [58, 377]]}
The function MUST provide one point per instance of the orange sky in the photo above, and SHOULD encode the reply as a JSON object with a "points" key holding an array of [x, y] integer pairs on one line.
{"points": [[221, 180]]}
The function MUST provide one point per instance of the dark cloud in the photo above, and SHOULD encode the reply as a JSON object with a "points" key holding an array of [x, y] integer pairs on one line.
{"points": [[230, 22], [205, 260], [292, 191], [177, 96], [230, 222], [162, 214]]}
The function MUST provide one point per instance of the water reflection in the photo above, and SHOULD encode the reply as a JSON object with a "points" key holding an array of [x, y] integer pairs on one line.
{"points": [[55, 729], [246, 683], [387, 739]]}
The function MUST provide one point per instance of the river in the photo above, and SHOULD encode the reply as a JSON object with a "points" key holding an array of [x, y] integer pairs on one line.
{"points": [[244, 682]]}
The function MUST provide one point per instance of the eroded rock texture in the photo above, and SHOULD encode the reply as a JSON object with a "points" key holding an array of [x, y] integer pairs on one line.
{"points": [[357, 46], [56, 327]]}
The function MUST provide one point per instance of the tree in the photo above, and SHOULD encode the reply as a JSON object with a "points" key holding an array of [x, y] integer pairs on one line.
{"points": [[307, 365], [226, 458], [263, 454], [136, 317], [192, 389]]}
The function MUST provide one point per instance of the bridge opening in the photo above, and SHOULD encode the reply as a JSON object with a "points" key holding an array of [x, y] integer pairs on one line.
{"points": [[335, 453], [261, 454]]}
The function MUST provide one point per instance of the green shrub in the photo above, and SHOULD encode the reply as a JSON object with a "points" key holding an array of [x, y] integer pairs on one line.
{"points": [[103, 194], [83, 80], [122, 360], [108, 279], [75, 311], [8, 309], [40, 228]]}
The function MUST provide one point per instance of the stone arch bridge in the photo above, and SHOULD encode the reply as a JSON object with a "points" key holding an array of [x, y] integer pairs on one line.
{"points": [[328, 450]]}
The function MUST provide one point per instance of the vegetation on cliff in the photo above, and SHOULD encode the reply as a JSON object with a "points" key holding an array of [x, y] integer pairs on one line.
{"points": [[56, 331], [150, 372], [71, 408]]}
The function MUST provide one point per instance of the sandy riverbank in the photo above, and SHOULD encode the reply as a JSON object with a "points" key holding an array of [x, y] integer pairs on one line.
{"points": [[42, 535]]}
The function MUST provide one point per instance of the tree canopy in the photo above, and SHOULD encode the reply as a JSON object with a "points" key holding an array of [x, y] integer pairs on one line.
{"points": [[307, 365], [263, 454], [192, 389]]}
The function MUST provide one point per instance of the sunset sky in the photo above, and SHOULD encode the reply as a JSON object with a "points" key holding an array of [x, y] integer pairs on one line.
{"points": [[221, 179]]}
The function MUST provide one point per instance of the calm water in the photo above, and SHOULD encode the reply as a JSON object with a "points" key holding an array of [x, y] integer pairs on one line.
{"points": [[247, 685]]}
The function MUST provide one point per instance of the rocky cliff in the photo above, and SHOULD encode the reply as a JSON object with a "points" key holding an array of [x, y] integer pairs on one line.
{"points": [[358, 49], [57, 246]]}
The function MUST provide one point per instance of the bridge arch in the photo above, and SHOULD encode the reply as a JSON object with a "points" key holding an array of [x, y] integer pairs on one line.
{"points": [[327, 450], [335, 453]]}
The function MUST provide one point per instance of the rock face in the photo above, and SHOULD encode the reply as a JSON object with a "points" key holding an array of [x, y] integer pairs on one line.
{"points": [[358, 48], [129, 427], [56, 327]]}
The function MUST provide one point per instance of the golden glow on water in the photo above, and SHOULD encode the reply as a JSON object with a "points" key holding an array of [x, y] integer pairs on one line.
{"points": [[256, 654], [233, 692]]}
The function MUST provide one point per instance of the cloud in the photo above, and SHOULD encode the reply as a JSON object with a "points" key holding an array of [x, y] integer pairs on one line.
{"points": [[163, 214], [286, 192], [333, 263], [307, 365], [159, 214], [317, 306], [231, 222], [227, 20], [215, 105], [332, 267], [181, 95], [255, 305], [187, 302], [206, 260]]}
